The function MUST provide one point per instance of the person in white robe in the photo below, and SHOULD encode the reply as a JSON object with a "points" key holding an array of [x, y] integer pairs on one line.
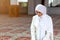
{"points": [[42, 25]]}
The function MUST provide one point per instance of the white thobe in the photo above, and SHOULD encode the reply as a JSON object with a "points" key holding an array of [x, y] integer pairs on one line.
{"points": [[39, 26]]}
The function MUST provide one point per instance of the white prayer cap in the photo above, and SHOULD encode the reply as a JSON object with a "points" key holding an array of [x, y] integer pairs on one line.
{"points": [[41, 8]]}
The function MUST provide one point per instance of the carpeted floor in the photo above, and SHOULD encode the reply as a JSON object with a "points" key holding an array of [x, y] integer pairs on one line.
{"points": [[18, 28]]}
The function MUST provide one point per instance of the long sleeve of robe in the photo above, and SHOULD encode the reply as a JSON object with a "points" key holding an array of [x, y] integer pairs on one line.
{"points": [[50, 28], [32, 30]]}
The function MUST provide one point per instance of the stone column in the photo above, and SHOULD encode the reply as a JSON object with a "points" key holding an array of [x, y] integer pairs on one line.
{"points": [[31, 7]]}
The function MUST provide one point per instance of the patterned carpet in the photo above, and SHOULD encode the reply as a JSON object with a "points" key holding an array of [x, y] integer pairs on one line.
{"points": [[18, 28]]}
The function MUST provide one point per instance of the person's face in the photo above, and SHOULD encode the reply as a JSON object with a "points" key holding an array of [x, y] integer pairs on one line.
{"points": [[38, 13]]}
